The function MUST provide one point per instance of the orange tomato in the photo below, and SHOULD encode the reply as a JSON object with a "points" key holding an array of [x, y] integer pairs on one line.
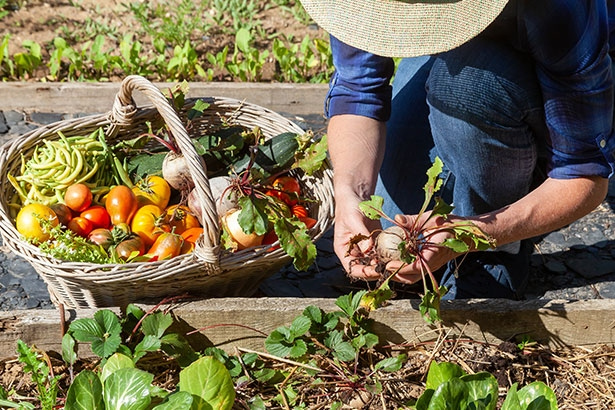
{"points": [[180, 218], [299, 211], [78, 197], [168, 245], [121, 203], [190, 237], [287, 189]]}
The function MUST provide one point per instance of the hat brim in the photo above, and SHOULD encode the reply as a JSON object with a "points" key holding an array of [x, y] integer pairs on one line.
{"points": [[404, 28]]}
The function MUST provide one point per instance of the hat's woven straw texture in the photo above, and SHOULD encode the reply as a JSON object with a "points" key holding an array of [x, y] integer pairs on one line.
{"points": [[404, 28]]}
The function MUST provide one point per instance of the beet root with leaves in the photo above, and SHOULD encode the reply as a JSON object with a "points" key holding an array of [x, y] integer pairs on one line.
{"points": [[406, 243]]}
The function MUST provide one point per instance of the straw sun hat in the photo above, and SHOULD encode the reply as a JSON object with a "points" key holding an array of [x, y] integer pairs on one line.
{"points": [[404, 28]]}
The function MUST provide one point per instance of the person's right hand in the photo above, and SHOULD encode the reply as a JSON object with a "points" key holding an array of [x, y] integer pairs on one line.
{"points": [[350, 222]]}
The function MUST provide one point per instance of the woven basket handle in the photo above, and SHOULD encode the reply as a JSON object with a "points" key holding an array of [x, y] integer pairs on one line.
{"points": [[124, 106]]}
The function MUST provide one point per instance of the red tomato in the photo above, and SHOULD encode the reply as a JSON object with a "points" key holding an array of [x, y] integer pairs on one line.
{"points": [[289, 186], [121, 203], [78, 197], [269, 238], [282, 196], [309, 222], [130, 248], [80, 226], [168, 245], [148, 223], [98, 215], [180, 218]]}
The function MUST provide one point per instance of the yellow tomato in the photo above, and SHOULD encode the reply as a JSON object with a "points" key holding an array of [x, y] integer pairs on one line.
{"points": [[148, 223], [29, 218], [153, 190]]}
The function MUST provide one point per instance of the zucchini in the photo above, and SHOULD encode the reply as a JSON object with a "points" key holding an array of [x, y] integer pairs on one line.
{"points": [[223, 150]]}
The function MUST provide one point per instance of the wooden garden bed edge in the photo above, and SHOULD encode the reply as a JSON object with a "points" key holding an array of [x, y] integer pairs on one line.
{"points": [[243, 322]]}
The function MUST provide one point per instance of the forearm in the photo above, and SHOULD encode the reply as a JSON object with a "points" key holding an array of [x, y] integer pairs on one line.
{"points": [[554, 204], [356, 146]]}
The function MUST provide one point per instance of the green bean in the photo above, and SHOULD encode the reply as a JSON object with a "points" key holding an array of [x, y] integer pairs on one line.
{"points": [[56, 164]]}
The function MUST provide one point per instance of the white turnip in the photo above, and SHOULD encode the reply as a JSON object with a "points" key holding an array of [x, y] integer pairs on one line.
{"points": [[387, 243], [230, 221], [176, 172], [224, 196]]}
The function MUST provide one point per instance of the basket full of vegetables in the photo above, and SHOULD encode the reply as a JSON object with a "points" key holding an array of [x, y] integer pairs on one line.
{"points": [[183, 197]]}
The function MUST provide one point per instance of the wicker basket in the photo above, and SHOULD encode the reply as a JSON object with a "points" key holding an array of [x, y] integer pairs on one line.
{"points": [[209, 271]]}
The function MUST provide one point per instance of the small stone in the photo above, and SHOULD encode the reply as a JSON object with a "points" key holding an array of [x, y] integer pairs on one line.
{"points": [[555, 238], [21, 129], [606, 289], [13, 117], [45, 118], [4, 128]]}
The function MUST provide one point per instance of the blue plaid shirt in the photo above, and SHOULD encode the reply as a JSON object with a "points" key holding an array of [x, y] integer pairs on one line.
{"points": [[571, 42]]}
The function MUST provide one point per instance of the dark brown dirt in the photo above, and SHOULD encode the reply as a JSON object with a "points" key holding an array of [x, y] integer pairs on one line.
{"points": [[43, 20]]}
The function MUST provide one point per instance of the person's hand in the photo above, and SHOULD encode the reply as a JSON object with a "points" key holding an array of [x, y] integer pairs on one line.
{"points": [[350, 222], [432, 255]]}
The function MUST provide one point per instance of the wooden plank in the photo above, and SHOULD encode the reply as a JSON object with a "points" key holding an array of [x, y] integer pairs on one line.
{"points": [[94, 98], [244, 322]]}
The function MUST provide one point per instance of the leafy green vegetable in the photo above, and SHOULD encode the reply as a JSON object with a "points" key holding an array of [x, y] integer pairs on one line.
{"points": [[65, 245]]}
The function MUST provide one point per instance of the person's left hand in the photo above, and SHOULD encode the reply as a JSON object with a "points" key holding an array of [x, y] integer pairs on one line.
{"points": [[432, 255]]}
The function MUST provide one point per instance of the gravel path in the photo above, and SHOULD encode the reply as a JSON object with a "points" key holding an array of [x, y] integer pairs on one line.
{"points": [[576, 262]]}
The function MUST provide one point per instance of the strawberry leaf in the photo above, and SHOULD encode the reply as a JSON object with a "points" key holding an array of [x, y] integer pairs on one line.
{"points": [[378, 297]]}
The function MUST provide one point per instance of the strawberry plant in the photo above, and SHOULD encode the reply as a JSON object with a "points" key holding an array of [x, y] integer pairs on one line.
{"points": [[406, 243], [323, 359]]}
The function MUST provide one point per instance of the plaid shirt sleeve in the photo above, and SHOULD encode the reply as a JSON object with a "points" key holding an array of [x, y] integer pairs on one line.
{"points": [[569, 40], [360, 84]]}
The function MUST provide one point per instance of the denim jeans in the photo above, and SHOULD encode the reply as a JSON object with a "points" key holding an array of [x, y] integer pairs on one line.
{"points": [[479, 108]]}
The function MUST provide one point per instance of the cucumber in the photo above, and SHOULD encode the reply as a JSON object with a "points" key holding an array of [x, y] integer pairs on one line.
{"points": [[274, 155]]}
